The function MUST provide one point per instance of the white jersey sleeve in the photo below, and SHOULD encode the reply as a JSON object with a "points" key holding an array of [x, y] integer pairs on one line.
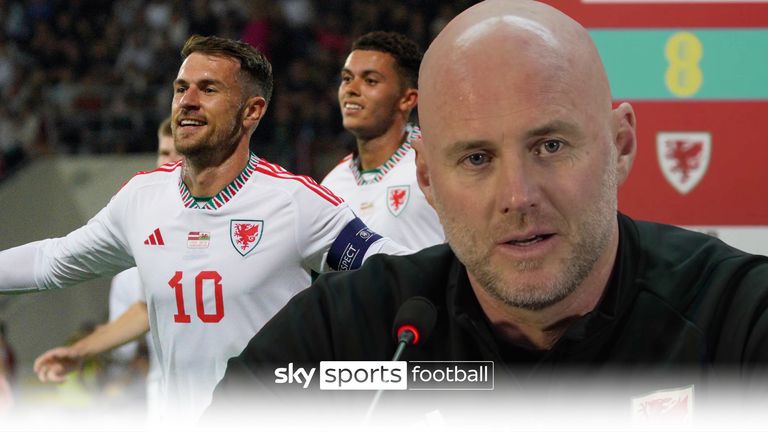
{"points": [[92, 250], [320, 219], [17, 269]]}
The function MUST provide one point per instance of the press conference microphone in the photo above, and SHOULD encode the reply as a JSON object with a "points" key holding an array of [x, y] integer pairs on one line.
{"points": [[413, 323]]}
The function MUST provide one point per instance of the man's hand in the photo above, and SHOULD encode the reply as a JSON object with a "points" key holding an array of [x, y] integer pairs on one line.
{"points": [[54, 364]]}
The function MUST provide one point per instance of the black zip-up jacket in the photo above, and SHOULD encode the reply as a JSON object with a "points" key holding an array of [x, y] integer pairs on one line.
{"points": [[679, 305]]}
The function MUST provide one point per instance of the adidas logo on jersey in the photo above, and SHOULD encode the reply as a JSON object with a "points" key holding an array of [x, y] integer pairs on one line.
{"points": [[155, 239]]}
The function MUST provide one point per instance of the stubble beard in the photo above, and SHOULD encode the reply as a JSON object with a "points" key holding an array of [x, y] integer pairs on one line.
{"points": [[594, 233], [212, 148]]}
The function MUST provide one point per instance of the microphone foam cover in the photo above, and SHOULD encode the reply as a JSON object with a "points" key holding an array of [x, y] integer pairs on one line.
{"points": [[416, 312]]}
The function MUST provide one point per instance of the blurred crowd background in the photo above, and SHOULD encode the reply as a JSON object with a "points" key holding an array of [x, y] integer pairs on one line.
{"points": [[94, 76]]}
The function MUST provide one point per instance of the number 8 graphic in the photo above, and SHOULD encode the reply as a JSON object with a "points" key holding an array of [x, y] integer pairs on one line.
{"points": [[182, 316], [683, 51]]}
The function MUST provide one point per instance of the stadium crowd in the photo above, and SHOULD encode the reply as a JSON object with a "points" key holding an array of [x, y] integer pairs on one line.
{"points": [[94, 76]]}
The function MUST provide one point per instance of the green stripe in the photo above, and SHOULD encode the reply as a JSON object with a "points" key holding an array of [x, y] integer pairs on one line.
{"points": [[734, 63]]}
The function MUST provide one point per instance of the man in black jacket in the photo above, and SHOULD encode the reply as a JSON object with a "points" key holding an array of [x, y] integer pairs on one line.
{"points": [[522, 157]]}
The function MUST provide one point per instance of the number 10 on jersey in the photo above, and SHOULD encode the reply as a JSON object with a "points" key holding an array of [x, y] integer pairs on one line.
{"points": [[212, 278]]}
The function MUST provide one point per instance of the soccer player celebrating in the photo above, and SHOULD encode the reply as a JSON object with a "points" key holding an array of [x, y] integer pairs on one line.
{"points": [[221, 240], [377, 93], [128, 316]]}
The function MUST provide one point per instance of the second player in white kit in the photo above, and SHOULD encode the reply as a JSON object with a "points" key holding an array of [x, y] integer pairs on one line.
{"points": [[388, 198], [377, 92]]}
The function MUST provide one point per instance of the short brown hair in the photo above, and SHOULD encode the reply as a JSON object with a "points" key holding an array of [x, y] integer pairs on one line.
{"points": [[256, 67]]}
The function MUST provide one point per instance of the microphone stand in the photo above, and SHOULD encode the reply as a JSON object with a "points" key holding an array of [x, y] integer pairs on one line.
{"points": [[406, 339]]}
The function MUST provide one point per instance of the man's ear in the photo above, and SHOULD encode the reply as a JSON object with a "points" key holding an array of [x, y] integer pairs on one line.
{"points": [[255, 108], [409, 100], [422, 171], [625, 139]]}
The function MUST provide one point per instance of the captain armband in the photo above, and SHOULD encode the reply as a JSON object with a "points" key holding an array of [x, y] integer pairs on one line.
{"points": [[350, 246]]}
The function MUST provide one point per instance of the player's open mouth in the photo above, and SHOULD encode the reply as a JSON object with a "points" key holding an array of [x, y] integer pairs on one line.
{"points": [[191, 122], [352, 106]]}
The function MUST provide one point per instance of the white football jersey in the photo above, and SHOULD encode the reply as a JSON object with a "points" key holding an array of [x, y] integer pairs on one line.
{"points": [[388, 198], [214, 272]]}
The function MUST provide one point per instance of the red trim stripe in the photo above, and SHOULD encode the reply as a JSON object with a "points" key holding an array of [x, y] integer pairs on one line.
{"points": [[322, 191], [319, 190], [169, 167], [307, 181]]}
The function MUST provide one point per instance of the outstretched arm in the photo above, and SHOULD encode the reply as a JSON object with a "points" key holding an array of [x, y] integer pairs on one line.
{"points": [[17, 274], [55, 364], [97, 248]]}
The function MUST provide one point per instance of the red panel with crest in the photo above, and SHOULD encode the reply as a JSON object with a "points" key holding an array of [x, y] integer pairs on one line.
{"points": [[699, 163]]}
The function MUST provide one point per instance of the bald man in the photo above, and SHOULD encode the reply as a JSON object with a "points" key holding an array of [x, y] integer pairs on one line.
{"points": [[522, 158]]}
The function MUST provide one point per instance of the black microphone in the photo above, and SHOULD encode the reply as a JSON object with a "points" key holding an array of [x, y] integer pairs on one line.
{"points": [[414, 321]]}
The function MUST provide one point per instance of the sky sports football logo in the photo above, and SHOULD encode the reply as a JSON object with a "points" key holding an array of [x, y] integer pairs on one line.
{"points": [[390, 375]]}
